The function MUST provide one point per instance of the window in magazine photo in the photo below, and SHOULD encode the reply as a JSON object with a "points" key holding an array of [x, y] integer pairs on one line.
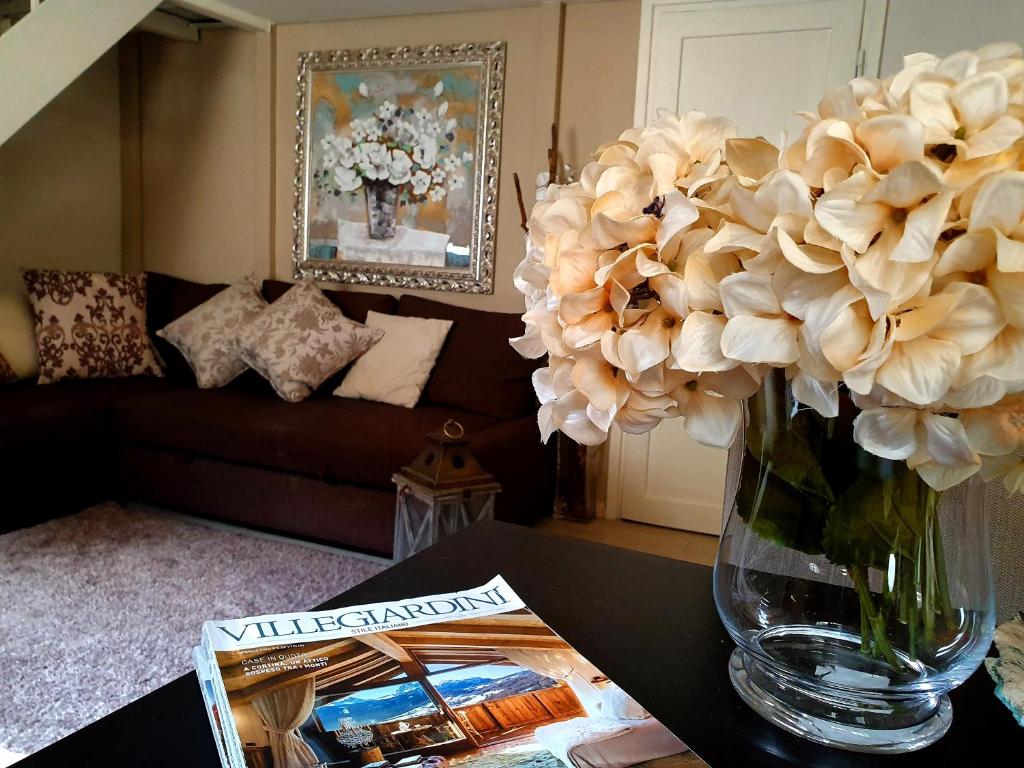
{"points": [[498, 691]]}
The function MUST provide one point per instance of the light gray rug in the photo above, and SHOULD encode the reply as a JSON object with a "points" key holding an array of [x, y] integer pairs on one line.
{"points": [[102, 607]]}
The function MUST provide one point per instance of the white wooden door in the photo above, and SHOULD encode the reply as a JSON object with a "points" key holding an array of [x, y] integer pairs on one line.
{"points": [[757, 62]]}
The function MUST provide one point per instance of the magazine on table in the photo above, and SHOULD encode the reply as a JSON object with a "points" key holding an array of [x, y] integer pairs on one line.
{"points": [[470, 679]]}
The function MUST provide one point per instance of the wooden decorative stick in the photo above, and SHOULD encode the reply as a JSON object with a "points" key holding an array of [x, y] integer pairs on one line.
{"points": [[522, 206]]}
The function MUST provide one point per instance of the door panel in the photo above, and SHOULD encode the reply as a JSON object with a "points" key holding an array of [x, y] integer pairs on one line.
{"points": [[757, 63]]}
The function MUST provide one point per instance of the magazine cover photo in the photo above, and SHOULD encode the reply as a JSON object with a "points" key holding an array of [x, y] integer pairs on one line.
{"points": [[497, 691]]}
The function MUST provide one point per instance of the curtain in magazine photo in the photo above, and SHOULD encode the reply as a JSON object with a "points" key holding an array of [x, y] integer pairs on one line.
{"points": [[498, 691]]}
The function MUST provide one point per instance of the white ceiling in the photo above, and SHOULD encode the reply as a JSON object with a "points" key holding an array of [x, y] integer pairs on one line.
{"points": [[294, 11]]}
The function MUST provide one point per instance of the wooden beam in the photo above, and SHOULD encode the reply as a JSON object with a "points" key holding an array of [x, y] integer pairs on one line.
{"points": [[387, 646], [167, 25], [228, 14]]}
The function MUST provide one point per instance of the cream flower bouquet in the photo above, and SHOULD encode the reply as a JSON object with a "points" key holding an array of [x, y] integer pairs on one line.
{"points": [[863, 287]]}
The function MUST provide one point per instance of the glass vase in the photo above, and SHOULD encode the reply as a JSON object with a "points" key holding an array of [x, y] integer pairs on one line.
{"points": [[381, 208], [857, 596]]}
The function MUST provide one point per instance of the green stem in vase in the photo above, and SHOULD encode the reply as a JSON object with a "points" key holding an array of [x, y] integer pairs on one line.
{"points": [[876, 626]]}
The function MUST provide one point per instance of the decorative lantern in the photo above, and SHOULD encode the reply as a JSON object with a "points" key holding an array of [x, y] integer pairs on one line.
{"points": [[441, 492]]}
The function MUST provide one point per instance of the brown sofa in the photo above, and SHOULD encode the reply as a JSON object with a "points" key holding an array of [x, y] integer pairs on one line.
{"points": [[320, 469]]}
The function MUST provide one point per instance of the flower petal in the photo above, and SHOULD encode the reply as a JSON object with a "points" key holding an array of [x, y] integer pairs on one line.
{"points": [[713, 421], [809, 258], [841, 213], [1009, 289], [671, 290], [647, 343], [597, 381], [698, 346], [921, 229], [974, 321], [891, 139], [905, 186], [942, 477], [920, 370], [887, 432], [751, 159], [569, 415], [746, 293], [946, 440], [990, 431], [980, 100], [823, 397], [761, 340]]}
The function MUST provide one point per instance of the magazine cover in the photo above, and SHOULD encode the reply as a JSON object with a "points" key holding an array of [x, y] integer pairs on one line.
{"points": [[471, 679], [206, 684]]}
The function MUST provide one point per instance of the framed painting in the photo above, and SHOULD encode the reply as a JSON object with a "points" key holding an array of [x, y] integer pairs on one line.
{"points": [[396, 171]]}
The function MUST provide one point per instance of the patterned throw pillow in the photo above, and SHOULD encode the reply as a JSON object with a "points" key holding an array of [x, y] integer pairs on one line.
{"points": [[90, 325], [206, 335], [7, 373], [301, 340]]}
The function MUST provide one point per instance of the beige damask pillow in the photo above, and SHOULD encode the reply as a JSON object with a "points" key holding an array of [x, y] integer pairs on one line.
{"points": [[301, 340], [206, 335], [90, 325]]}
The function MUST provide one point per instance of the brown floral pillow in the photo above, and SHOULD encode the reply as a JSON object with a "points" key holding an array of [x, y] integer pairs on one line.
{"points": [[206, 335], [90, 325], [7, 373], [301, 340]]}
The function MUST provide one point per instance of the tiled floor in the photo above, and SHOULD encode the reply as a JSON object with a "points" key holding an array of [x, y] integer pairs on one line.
{"points": [[667, 542]]}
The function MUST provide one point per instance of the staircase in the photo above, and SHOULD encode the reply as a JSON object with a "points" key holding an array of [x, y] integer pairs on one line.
{"points": [[53, 44]]}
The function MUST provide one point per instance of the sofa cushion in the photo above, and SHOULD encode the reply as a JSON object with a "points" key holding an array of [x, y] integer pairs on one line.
{"points": [[477, 369], [170, 298], [353, 304], [206, 335], [339, 440], [301, 340], [90, 325]]}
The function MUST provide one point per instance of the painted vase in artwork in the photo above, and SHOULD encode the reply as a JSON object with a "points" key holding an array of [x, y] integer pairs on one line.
{"points": [[381, 208]]}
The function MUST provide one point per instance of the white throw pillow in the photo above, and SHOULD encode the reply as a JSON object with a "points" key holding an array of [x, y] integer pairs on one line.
{"points": [[396, 369], [17, 338]]}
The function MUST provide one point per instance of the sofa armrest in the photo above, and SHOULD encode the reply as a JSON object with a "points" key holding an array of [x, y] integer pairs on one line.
{"points": [[525, 467]]}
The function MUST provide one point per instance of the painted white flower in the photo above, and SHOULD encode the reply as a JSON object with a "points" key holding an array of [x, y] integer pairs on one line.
{"points": [[330, 159], [452, 164], [437, 194], [456, 181], [363, 89], [346, 179], [438, 88], [438, 175], [420, 182], [373, 160], [424, 154], [385, 110], [399, 167], [467, 157]]}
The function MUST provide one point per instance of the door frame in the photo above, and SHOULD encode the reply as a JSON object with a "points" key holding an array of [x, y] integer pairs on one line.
{"points": [[872, 35], [872, 32]]}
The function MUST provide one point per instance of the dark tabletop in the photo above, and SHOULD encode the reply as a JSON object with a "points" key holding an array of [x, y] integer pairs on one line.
{"points": [[647, 622]]}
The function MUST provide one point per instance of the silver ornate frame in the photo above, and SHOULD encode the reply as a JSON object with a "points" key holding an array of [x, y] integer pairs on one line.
{"points": [[479, 277]]}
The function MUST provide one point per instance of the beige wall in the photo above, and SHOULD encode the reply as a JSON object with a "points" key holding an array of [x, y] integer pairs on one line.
{"points": [[598, 76], [204, 156], [531, 34], [60, 181], [207, 154]]}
